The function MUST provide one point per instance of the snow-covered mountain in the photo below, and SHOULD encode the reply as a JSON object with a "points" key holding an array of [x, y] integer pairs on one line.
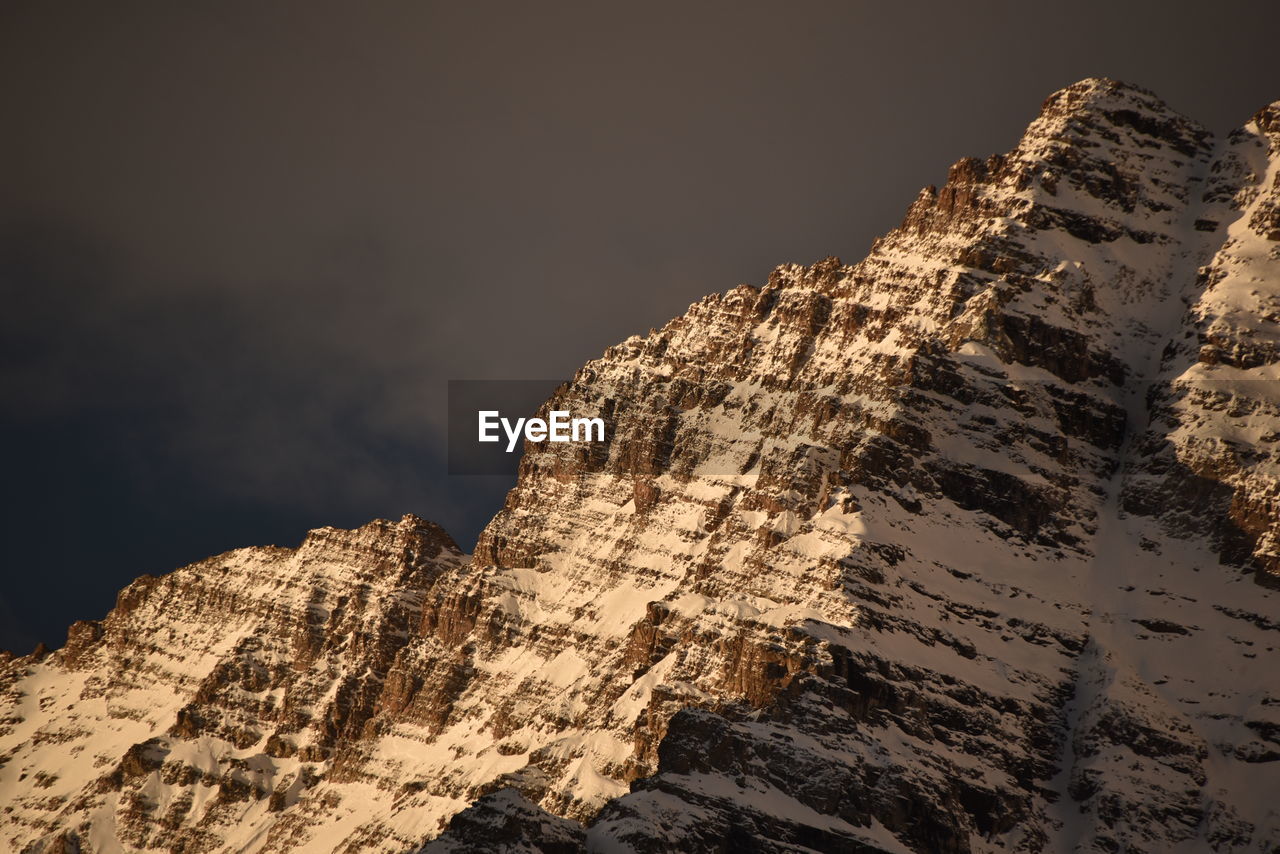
{"points": [[971, 546]]}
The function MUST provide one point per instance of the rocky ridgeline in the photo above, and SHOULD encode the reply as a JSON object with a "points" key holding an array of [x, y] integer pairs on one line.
{"points": [[969, 546]]}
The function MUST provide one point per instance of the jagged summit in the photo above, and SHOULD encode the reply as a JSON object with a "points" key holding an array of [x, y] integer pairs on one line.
{"points": [[1102, 95], [967, 546]]}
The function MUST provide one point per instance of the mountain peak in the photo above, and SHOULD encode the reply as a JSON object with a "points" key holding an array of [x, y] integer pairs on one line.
{"points": [[1095, 94], [1120, 113], [939, 551]]}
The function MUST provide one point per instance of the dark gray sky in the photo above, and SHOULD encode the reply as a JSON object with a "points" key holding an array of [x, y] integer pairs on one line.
{"points": [[244, 245]]}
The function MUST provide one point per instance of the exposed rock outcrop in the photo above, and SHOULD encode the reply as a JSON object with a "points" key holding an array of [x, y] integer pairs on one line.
{"points": [[953, 549]]}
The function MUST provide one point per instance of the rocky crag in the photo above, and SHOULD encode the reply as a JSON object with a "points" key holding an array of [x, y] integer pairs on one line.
{"points": [[971, 546]]}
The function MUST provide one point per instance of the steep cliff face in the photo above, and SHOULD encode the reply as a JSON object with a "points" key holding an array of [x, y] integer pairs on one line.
{"points": [[211, 700], [969, 546], [1208, 463], [896, 488]]}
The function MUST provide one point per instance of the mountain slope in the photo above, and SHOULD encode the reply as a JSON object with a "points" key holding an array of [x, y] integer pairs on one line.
{"points": [[969, 546]]}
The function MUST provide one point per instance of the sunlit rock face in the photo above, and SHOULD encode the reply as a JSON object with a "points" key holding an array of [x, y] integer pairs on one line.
{"points": [[969, 546]]}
